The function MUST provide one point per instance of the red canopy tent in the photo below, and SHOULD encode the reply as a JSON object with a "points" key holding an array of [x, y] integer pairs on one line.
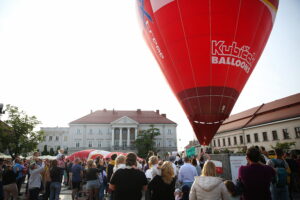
{"points": [[84, 154]]}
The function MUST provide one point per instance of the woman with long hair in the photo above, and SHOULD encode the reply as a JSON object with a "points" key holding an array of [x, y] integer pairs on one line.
{"points": [[92, 181], [208, 186], [162, 187], [120, 163]]}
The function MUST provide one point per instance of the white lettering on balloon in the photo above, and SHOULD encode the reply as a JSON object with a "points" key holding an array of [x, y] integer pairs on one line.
{"points": [[232, 55], [153, 40]]}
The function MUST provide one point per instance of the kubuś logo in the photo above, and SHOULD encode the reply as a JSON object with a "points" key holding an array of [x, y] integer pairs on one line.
{"points": [[232, 54]]}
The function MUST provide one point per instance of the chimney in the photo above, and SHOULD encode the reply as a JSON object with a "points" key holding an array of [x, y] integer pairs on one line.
{"points": [[138, 110], [91, 111], [157, 111], [104, 109], [164, 115]]}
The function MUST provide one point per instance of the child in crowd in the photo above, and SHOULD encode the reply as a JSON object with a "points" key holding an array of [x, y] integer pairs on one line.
{"points": [[231, 190]]}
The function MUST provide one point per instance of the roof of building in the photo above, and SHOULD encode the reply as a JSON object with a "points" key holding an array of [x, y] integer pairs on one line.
{"points": [[281, 109], [108, 116]]}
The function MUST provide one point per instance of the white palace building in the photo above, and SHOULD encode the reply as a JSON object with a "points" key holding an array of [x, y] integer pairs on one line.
{"points": [[111, 130]]}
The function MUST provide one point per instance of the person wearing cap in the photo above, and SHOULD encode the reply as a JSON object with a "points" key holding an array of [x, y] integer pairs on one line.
{"points": [[128, 183], [35, 180]]}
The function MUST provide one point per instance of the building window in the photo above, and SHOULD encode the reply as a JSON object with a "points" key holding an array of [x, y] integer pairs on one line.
{"points": [[50, 138], [170, 143], [229, 141], [219, 143], [285, 134], [90, 143], [77, 144], [241, 139], [65, 138], [56, 138], [235, 140], [297, 132], [99, 132], [169, 132], [256, 137], [265, 136], [224, 144], [275, 136], [99, 143], [78, 131], [214, 143], [91, 131], [44, 138], [248, 139]]}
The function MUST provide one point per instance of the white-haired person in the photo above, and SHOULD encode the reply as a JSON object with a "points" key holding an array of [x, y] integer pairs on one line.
{"points": [[208, 186]]}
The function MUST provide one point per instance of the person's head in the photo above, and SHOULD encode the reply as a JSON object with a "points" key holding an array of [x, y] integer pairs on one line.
{"points": [[172, 159], [209, 169], [187, 159], [76, 161], [17, 160], [90, 163], [36, 154], [167, 172], [253, 154], [113, 157], [153, 160], [131, 159], [194, 162], [120, 160], [279, 152], [54, 163], [160, 163], [262, 148], [230, 187]]}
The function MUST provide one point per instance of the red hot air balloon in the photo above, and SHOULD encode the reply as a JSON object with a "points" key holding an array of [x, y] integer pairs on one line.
{"points": [[207, 49]]}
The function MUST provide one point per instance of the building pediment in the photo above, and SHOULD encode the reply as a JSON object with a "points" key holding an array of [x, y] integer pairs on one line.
{"points": [[124, 120]]}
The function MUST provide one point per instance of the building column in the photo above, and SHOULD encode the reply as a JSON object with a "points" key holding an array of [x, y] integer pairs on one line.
{"points": [[121, 134], [135, 134], [113, 138], [128, 137]]}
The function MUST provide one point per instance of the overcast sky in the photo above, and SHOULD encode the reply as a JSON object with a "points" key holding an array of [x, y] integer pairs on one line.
{"points": [[61, 59]]}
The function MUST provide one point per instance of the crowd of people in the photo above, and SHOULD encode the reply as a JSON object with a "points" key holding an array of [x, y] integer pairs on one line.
{"points": [[125, 177]]}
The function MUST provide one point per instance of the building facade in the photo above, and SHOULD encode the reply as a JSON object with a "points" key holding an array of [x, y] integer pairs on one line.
{"points": [[264, 125], [111, 130]]}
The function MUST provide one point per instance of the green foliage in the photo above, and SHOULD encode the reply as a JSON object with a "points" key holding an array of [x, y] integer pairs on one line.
{"points": [[145, 141], [45, 151], [216, 151], [51, 153], [284, 145], [20, 137]]}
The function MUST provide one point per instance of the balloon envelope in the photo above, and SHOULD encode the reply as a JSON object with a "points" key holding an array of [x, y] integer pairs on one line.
{"points": [[207, 50]]}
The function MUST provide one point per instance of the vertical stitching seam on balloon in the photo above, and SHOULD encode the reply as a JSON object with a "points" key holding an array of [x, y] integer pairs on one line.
{"points": [[210, 64], [174, 66], [188, 50], [228, 66], [252, 41]]}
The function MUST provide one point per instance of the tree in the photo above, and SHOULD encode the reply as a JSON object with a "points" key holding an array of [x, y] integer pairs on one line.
{"points": [[284, 145], [145, 141], [45, 151], [51, 153], [20, 137]]}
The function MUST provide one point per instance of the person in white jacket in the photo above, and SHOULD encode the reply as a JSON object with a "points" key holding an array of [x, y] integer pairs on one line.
{"points": [[208, 186]]}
